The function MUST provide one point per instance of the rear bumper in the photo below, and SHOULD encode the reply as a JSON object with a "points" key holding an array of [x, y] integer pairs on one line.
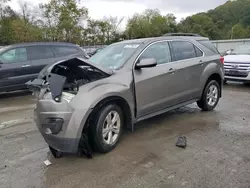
{"points": [[68, 137]]}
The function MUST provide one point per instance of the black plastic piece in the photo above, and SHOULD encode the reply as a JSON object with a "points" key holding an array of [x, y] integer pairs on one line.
{"points": [[56, 83], [56, 154], [84, 147], [181, 142]]}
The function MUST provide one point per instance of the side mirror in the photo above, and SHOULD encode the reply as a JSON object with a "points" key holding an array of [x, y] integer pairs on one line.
{"points": [[146, 63]]}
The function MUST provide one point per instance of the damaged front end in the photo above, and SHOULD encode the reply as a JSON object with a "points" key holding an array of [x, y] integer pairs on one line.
{"points": [[63, 79], [56, 118]]}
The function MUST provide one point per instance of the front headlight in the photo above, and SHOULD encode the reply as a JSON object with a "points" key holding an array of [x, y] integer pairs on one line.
{"points": [[67, 96]]}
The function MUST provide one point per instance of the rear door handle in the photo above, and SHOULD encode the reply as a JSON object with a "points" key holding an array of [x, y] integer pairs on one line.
{"points": [[25, 66], [201, 63]]}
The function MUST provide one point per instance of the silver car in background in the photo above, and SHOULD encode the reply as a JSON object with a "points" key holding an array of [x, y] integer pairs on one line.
{"points": [[84, 105], [237, 64]]}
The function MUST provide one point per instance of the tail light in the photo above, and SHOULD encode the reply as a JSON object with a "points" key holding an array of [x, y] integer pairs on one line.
{"points": [[222, 59]]}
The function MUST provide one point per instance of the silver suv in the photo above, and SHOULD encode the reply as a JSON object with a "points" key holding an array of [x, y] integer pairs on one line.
{"points": [[85, 104]]}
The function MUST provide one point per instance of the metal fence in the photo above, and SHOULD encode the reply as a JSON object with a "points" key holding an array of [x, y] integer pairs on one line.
{"points": [[221, 45]]}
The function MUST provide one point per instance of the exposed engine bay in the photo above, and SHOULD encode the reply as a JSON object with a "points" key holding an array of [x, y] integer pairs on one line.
{"points": [[66, 76], [76, 74]]}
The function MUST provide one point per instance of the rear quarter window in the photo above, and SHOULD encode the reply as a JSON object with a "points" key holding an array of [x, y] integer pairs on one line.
{"points": [[209, 45], [199, 53]]}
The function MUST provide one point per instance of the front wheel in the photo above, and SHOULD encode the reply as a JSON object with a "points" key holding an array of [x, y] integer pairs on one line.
{"points": [[107, 128], [210, 96]]}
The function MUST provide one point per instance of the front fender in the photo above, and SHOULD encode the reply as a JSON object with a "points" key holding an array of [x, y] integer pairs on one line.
{"points": [[90, 98], [87, 100]]}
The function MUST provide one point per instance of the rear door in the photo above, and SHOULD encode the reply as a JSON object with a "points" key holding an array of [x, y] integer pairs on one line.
{"points": [[40, 55], [15, 68], [188, 60]]}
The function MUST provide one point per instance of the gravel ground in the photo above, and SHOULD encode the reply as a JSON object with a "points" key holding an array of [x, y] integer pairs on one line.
{"points": [[217, 155]]}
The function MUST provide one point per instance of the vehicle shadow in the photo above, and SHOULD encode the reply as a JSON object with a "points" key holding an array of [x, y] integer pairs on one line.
{"points": [[171, 117], [237, 86]]}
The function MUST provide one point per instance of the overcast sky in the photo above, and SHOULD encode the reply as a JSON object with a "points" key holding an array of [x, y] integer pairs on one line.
{"points": [[100, 8]]}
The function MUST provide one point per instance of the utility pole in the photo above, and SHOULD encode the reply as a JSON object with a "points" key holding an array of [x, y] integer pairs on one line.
{"points": [[232, 32]]}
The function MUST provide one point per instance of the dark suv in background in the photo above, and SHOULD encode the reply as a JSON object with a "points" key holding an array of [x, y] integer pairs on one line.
{"points": [[20, 63]]}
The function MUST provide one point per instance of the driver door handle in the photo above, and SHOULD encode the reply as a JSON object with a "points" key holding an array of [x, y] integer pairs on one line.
{"points": [[25, 66]]}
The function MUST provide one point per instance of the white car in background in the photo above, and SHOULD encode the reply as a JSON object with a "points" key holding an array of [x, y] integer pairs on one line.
{"points": [[237, 64]]}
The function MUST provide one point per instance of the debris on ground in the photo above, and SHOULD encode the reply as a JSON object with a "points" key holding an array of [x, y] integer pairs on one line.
{"points": [[181, 142], [47, 162]]}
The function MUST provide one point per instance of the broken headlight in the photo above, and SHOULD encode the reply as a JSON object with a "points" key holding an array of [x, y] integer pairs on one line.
{"points": [[67, 96]]}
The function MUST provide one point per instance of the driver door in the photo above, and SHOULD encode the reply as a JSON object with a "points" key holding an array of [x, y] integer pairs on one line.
{"points": [[154, 87]]}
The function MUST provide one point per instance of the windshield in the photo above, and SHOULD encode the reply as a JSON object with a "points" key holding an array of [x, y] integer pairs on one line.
{"points": [[242, 50], [114, 56]]}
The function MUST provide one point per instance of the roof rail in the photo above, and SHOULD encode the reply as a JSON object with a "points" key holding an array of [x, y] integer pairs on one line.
{"points": [[182, 34]]}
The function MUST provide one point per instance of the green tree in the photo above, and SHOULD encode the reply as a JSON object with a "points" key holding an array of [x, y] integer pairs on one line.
{"points": [[201, 24], [63, 20], [238, 32], [149, 24]]}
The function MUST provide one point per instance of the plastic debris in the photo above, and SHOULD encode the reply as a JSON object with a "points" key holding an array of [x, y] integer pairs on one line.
{"points": [[47, 162], [181, 142]]}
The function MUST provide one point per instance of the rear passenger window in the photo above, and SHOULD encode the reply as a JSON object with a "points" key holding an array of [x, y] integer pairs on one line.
{"points": [[65, 50], [40, 52], [199, 53], [183, 50], [159, 51]]}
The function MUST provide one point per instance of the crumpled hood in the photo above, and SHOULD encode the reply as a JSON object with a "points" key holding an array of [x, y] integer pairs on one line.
{"points": [[68, 74], [47, 69]]}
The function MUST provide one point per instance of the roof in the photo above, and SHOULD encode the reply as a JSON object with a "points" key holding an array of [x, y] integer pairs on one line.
{"points": [[152, 39], [42, 43]]}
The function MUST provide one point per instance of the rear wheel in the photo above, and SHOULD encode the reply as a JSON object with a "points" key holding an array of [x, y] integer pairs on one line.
{"points": [[107, 128], [210, 96]]}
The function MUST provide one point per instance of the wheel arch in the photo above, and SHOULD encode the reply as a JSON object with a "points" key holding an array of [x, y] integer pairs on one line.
{"points": [[121, 102], [217, 77]]}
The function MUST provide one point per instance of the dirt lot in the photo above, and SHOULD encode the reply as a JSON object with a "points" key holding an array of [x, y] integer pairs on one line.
{"points": [[218, 152]]}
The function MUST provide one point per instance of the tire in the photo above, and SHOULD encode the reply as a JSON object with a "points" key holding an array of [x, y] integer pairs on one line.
{"points": [[209, 105], [105, 141]]}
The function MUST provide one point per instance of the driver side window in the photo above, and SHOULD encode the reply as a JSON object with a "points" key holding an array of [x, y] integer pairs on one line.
{"points": [[14, 55], [159, 51]]}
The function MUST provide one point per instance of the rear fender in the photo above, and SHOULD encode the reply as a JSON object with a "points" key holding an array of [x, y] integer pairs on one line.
{"points": [[209, 70]]}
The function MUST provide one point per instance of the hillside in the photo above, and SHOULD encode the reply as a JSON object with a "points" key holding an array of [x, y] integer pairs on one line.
{"points": [[231, 20]]}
